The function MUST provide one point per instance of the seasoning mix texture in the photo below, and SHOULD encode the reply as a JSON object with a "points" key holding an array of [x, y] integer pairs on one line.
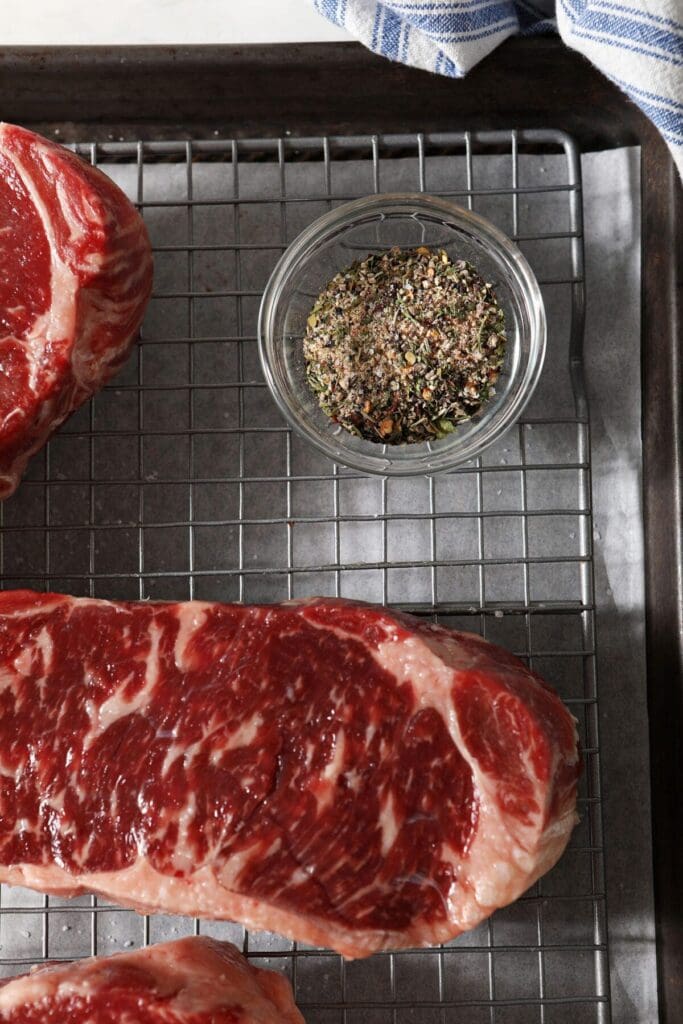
{"points": [[402, 346]]}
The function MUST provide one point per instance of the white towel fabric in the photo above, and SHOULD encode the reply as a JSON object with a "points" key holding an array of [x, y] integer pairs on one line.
{"points": [[638, 44]]}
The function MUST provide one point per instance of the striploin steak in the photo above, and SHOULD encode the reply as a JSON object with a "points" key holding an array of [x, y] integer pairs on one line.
{"points": [[190, 981], [75, 277], [337, 772]]}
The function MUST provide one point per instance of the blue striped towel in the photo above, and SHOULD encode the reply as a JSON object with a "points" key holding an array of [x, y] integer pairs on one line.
{"points": [[638, 44]]}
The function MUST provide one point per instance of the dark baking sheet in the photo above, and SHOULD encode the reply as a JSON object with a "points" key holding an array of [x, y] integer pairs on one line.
{"points": [[173, 92]]}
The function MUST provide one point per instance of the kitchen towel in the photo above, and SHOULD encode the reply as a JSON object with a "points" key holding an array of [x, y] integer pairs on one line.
{"points": [[638, 44]]}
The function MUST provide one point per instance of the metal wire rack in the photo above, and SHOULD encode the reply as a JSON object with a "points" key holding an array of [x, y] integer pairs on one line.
{"points": [[180, 480]]}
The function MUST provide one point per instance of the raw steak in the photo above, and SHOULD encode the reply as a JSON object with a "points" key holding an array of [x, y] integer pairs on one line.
{"points": [[337, 772], [191, 981], [75, 277]]}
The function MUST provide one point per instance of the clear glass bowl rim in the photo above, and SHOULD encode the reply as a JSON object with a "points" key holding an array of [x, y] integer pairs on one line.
{"points": [[327, 225]]}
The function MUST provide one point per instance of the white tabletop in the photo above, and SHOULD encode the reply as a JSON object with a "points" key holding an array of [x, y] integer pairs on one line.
{"points": [[130, 22]]}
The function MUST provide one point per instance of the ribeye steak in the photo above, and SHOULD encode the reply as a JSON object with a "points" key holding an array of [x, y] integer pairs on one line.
{"points": [[75, 277], [337, 772], [190, 981]]}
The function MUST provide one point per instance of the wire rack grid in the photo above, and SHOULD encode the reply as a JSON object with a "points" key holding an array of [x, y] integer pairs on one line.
{"points": [[180, 480]]}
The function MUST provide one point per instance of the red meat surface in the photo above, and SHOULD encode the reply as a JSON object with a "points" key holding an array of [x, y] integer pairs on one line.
{"points": [[191, 981], [343, 774], [75, 277]]}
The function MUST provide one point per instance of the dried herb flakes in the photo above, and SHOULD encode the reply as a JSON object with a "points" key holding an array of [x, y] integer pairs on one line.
{"points": [[402, 346]]}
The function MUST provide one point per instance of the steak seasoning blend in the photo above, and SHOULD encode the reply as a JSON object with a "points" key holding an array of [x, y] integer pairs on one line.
{"points": [[403, 346]]}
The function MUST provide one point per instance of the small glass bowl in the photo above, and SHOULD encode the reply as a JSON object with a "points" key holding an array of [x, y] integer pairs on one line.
{"points": [[371, 225]]}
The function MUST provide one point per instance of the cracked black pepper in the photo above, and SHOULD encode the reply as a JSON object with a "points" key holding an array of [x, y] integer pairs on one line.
{"points": [[402, 346]]}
